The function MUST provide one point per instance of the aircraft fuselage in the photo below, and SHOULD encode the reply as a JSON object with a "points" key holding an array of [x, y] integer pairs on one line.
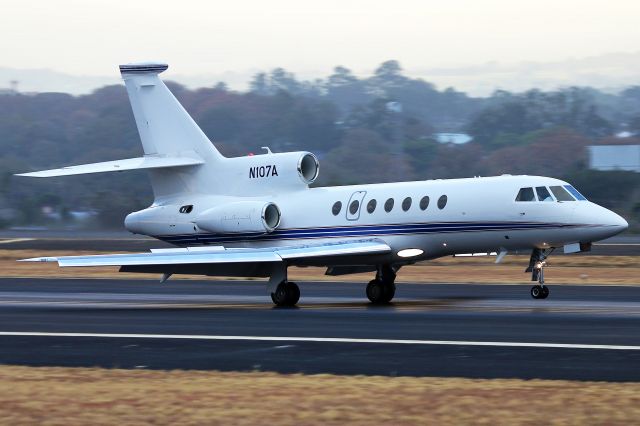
{"points": [[460, 216]]}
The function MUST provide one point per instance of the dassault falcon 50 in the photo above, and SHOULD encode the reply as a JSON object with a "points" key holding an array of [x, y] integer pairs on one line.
{"points": [[255, 216]]}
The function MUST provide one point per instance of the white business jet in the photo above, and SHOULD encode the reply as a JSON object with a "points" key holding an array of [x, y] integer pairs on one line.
{"points": [[255, 216]]}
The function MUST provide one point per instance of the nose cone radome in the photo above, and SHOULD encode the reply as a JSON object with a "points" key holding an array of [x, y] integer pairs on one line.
{"points": [[616, 222], [603, 223]]}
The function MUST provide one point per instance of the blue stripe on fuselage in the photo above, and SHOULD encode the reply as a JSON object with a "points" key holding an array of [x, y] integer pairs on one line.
{"points": [[357, 231]]}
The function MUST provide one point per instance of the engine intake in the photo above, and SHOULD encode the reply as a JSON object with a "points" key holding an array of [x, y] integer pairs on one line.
{"points": [[271, 217], [308, 168]]}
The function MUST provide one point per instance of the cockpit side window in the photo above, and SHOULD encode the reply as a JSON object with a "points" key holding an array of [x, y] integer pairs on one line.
{"points": [[561, 194], [575, 193], [526, 194], [543, 193]]}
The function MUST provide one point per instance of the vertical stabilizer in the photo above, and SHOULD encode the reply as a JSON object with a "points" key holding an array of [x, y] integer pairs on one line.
{"points": [[166, 129]]}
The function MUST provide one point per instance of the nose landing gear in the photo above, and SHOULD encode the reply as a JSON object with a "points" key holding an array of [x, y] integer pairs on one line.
{"points": [[539, 292], [537, 262]]}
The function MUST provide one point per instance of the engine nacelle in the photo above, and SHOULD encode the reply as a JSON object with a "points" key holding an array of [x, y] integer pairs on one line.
{"points": [[260, 174], [241, 216], [289, 165]]}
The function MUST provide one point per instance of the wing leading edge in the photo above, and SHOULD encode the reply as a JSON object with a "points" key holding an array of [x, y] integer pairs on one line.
{"points": [[140, 163], [222, 255]]}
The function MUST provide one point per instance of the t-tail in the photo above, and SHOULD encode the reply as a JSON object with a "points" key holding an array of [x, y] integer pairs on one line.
{"points": [[181, 159], [168, 131]]}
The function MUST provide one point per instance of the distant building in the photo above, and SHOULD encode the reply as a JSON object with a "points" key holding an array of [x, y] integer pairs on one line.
{"points": [[624, 135], [454, 138], [614, 157]]}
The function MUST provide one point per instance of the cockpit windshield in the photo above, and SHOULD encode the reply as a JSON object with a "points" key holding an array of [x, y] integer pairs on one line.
{"points": [[551, 193], [561, 194], [526, 194], [543, 193], [575, 193]]}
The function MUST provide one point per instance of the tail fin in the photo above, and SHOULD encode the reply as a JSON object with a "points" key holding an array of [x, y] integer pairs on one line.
{"points": [[166, 129], [179, 156]]}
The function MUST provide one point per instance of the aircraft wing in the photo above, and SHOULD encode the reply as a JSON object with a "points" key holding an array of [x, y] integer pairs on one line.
{"points": [[221, 255], [140, 163]]}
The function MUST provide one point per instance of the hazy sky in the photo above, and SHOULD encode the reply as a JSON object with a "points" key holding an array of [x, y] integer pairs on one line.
{"points": [[198, 37]]}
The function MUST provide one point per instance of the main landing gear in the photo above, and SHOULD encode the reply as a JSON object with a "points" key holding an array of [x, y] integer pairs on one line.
{"points": [[381, 290], [537, 262], [286, 294]]}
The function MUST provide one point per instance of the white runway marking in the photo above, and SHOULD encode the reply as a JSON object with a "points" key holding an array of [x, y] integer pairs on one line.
{"points": [[16, 240], [324, 340]]}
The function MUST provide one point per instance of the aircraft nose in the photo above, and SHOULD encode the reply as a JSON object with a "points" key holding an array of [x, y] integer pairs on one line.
{"points": [[615, 222], [618, 221]]}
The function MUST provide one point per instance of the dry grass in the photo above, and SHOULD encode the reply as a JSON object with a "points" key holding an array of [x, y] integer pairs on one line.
{"points": [[81, 396], [621, 270]]}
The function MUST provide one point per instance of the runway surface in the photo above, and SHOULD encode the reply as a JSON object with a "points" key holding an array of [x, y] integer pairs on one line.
{"points": [[585, 333]]}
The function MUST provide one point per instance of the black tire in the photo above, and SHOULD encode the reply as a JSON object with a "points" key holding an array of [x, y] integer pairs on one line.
{"points": [[375, 292], [286, 294], [380, 293], [389, 292], [536, 292], [545, 292], [279, 296], [294, 293]]}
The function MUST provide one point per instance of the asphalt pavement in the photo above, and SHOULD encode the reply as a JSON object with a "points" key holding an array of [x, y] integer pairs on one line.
{"points": [[459, 330]]}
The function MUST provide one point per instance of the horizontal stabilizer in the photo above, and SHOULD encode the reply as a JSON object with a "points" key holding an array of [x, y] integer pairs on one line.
{"points": [[220, 255], [140, 163]]}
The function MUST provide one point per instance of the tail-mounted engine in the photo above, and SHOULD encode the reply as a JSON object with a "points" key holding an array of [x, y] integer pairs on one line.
{"points": [[270, 172], [241, 216]]}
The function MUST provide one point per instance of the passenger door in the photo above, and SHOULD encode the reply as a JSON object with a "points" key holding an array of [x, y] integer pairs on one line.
{"points": [[355, 205]]}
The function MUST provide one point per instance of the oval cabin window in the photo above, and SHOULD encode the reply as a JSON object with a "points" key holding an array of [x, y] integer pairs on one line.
{"points": [[406, 204], [353, 207], [424, 202], [337, 206], [442, 202], [371, 206]]}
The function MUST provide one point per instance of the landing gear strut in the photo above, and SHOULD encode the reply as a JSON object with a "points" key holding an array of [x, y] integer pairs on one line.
{"points": [[537, 262], [381, 290]]}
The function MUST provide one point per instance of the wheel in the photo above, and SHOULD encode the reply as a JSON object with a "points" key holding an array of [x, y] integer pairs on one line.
{"points": [[375, 292], [279, 297], [294, 293], [536, 292], [389, 292], [380, 292], [286, 294], [545, 292]]}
